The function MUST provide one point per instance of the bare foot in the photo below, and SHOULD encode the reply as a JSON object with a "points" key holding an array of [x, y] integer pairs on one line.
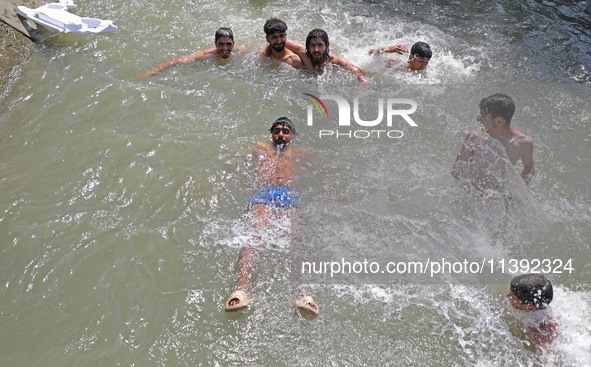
{"points": [[307, 303], [238, 299]]}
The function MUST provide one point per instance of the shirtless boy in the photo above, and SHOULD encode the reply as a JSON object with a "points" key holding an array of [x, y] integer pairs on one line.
{"points": [[276, 35], [531, 294], [316, 55], [224, 44], [276, 198], [499, 142], [418, 58]]}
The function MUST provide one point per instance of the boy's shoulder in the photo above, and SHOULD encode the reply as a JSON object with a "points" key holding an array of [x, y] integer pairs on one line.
{"points": [[536, 318], [520, 138]]}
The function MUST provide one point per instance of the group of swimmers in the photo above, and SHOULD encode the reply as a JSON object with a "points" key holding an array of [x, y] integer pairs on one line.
{"points": [[481, 165], [476, 165], [314, 55], [529, 294]]}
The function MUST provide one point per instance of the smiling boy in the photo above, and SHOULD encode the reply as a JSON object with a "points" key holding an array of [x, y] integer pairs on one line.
{"points": [[315, 55], [276, 36], [224, 45]]}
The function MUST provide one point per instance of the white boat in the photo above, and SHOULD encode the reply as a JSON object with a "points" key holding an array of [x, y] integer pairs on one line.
{"points": [[56, 17]]}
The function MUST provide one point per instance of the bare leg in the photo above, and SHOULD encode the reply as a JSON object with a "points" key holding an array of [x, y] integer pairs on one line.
{"points": [[247, 261], [305, 301]]}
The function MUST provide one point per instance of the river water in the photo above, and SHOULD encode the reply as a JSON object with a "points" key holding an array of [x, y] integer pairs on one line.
{"points": [[123, 201]]}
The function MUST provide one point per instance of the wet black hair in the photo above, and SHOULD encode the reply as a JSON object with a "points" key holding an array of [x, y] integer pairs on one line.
{"points": [[533, 289], [274, 25], [223, 32], [318, 33], [498, 104], [283, 121], [421, 49]]}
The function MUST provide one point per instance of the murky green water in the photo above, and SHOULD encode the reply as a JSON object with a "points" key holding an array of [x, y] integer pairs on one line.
{"points": [[123, 201]]}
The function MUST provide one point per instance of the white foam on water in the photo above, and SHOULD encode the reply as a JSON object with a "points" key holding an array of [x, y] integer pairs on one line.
{"points": [[102, 257], [573, 310], [242, 232]]}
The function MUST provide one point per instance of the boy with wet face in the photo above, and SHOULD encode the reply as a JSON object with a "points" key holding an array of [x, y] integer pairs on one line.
{"points": [[418, 58], [315, 55], [531, 294], [224, 45], [272, 203], [282, 132], [276, 35]]}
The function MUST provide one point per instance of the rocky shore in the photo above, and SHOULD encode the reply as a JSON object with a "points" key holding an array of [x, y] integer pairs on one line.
{"points": [[14, 51]]}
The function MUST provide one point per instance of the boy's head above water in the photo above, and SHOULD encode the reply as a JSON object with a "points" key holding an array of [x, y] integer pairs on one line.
{"points": [[530, 292]]}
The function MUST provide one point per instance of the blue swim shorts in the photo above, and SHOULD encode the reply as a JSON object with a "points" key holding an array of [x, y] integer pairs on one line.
{"points": [[278, 197]]}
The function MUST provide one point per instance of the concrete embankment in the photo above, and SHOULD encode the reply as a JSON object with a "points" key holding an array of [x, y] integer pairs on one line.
{"points": [[15, 46], [15, 49]]}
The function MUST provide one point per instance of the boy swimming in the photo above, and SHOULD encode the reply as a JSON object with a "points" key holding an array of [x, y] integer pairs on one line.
{"points": [[531, 294]]}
